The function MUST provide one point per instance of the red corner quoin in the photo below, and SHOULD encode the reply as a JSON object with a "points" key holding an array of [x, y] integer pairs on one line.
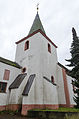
{"points": [[66, 88]]}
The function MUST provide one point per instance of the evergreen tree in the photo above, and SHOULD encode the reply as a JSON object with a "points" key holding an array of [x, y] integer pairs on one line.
{"points": [[74, 63]]}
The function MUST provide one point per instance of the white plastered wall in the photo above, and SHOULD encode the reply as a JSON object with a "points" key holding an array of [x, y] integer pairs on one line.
{"points": [[39, 61], [49, 61], [31, 60], [50, 93], [4, 97], [60, 86], [16, 94]]}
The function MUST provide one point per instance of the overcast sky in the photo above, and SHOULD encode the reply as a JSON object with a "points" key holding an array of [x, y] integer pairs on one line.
{"points": [[57, 16]]}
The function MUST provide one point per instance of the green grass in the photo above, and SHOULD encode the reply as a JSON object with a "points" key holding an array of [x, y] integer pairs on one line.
{"points": [[59, 110]]}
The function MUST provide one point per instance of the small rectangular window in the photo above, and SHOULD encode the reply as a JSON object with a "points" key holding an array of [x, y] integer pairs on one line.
{"points": [[3, 87], [49, 48], [52, 79], [6, 74], [26, 45]]}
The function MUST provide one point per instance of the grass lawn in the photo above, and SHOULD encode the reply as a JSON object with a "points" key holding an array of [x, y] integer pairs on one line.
{"points": [[59, 110]]}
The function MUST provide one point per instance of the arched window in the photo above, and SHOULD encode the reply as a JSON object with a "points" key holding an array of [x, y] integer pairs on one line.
{"points": [[52, 79], [49, 48], [26, 45]]}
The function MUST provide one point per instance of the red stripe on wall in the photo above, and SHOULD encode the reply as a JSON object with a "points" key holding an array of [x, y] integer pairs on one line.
{"points": [[26, 107], [66, 88]]}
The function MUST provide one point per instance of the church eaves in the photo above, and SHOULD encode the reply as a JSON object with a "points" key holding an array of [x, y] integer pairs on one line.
{"points": [[11, 63], [36, 25]]}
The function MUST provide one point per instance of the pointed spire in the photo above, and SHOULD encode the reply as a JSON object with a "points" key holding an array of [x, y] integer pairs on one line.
{"points": [[36, 24]]}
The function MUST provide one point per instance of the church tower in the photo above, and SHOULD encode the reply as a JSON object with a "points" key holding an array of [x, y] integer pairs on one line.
{"points": [[35, 79], [37, 53]]}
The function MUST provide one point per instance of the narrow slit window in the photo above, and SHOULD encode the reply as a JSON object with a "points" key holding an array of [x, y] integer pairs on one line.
{"points": [[26, 45], [52, 79], [6, 74], [49, 48], [3, 87]]}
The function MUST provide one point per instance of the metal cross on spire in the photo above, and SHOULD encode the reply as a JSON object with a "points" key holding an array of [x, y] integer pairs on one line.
{"points": [[37, 7]]}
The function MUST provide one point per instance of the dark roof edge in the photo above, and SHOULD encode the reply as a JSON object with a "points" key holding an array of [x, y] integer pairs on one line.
{"points": [[62, 66], [9, 62], [39, 30]]}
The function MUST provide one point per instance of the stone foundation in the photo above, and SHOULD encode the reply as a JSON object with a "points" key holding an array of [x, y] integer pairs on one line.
{"points": [[65, 105], [27, 107], [13, 107]]}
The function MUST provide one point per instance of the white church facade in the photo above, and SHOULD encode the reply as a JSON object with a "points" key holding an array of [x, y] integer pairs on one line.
{"points": [[36, 79]]}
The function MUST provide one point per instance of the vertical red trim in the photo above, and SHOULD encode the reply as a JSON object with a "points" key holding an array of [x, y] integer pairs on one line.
{"points": [[66, 88]]}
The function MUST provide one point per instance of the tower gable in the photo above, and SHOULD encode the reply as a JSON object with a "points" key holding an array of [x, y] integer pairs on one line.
{"points": [[34, 34]]}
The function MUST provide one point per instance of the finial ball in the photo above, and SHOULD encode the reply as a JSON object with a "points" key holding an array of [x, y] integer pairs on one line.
{"points": [[37, 7]]}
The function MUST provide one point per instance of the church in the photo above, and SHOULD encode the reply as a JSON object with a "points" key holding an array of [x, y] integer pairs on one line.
{"points": [[35, 80]]}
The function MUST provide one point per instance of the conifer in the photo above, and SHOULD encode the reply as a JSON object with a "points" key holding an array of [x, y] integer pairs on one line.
{"points": [[74, 63]]}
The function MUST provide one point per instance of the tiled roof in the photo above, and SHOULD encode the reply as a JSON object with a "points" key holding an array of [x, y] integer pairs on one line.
{"points": [[36, 25], [8, 62], [16, 83], [28, 85]]}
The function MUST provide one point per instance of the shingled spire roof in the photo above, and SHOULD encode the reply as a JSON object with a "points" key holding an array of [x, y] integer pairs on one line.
{"points": [[36, 25]]}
